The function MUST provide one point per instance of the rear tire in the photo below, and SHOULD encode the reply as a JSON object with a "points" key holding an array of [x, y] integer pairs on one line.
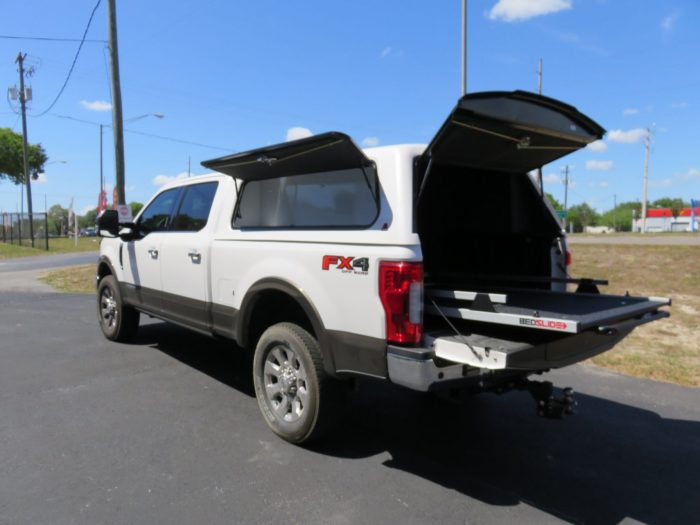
{"points": [[119, 322], [298, 400]]}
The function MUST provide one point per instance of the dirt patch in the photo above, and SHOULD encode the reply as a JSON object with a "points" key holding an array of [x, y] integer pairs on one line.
{"points": [[666, 350]]}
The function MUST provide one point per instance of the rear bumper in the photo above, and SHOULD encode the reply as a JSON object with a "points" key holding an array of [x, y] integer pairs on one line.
{"points": [[420, 369]]}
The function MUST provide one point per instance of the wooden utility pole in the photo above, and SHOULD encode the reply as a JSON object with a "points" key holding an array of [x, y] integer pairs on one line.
{"points": [[566, 195], [102, 176], [647, 146], [25, 146], [539, 90], [464, 47], [117, 119]]}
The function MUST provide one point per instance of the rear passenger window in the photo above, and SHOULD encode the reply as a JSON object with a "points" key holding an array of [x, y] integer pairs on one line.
{"points": [[156, 216], [337, 199], [195, 207]]}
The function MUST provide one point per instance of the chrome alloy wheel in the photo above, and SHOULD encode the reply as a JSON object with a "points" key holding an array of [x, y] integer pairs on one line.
{"points": [[108, 308], [286, 386]]}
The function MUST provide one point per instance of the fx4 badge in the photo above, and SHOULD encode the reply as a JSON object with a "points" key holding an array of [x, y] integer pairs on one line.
{"points": [[346, 264]]}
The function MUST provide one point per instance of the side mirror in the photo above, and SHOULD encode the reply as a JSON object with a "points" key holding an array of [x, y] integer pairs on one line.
{"points": [[108, 222]]}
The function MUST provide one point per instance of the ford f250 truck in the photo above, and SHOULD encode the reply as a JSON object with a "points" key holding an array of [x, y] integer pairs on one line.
{"points": [[438, 266]]}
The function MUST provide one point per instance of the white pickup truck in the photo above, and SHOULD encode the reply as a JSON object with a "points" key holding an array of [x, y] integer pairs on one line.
{"points": [[438, 266]]}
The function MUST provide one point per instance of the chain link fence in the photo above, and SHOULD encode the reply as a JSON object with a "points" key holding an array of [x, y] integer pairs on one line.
{"points": [[14, 229]]}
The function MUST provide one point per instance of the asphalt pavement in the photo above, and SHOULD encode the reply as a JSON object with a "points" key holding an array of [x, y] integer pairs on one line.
{"points": [[166, 430], [21, 275], [47, 262]]}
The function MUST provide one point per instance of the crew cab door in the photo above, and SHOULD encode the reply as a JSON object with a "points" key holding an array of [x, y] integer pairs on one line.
{"points": [[185, 258], [142, 257]]}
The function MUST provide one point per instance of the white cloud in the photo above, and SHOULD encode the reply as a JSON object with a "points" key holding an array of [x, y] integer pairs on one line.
{"points": [[604, 184], [627, 137], [96, 105], [390, 52], [630, 111], [159, 180], [370, 142], [516, 10], [597, 145], [661, 183], [41, 179], [298, 132], [679, 105], [669, 21], [692, 173], [599, 165], [551, 178]]}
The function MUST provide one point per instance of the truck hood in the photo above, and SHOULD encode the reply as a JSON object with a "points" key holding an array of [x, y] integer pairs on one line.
{"points": [[510, 131]]}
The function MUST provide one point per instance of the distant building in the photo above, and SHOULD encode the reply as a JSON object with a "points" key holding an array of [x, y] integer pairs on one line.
{"points": [[662, 220], [598, 229]]}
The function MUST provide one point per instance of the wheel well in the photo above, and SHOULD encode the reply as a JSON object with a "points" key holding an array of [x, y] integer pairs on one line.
{"points": [[272, 307], [103, 270]]}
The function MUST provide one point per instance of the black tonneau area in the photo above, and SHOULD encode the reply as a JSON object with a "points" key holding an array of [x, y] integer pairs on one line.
{"points": [[327, 152], [510, 131]]}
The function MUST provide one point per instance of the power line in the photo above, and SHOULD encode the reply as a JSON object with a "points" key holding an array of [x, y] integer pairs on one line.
{"points": [[75, 59], [152, 135], [171, 139], [51, 39]]}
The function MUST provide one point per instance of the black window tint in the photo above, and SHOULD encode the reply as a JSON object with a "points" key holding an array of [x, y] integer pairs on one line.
{"points": [[345, 198], [194, 210], [156, 217]]}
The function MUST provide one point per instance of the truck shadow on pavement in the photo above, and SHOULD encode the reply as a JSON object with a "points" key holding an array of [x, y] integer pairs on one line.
{"points": [[219, 359], [609, 462]]}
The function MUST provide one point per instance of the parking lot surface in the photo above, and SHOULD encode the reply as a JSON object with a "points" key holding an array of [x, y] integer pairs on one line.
{"points": [[166, 430]]}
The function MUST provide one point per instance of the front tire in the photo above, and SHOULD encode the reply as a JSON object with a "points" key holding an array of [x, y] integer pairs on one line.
{"points": [[119, 322], [298, 400]]}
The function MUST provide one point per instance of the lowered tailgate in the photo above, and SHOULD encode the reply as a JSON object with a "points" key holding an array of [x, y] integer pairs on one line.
{"points": [[532, 329]]}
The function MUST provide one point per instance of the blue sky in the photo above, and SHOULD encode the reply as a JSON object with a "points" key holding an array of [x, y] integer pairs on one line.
{"points": [[235, 75]]}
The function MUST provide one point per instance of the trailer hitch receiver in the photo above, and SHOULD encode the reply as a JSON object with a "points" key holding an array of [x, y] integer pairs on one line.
{"points": [[548, 405]]}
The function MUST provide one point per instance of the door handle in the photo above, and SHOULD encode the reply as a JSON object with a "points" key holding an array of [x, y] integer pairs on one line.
{"points": [[195, 256], [153, 253]]}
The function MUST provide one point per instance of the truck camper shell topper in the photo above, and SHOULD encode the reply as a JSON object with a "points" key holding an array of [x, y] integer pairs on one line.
{"points": [[327, 152], [510, 131]]}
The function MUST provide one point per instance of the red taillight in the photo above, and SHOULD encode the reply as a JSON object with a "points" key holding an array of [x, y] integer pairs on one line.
{"points": [[568, 258], [401, 293]]}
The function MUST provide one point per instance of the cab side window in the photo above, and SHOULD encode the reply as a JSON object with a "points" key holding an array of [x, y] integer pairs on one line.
{"points": [[194, 210], [156, 216]]}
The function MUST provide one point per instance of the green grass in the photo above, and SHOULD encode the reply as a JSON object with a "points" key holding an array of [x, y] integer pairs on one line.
{"points": [[73, 279], [666, 350], [56, 245]]}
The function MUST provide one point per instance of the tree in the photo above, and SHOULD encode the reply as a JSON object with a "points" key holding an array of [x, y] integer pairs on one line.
{"points": [[58, 219], [12, 158], [135, 207], [582, 215], [558, 206], [88, 220], [621, 216]]}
